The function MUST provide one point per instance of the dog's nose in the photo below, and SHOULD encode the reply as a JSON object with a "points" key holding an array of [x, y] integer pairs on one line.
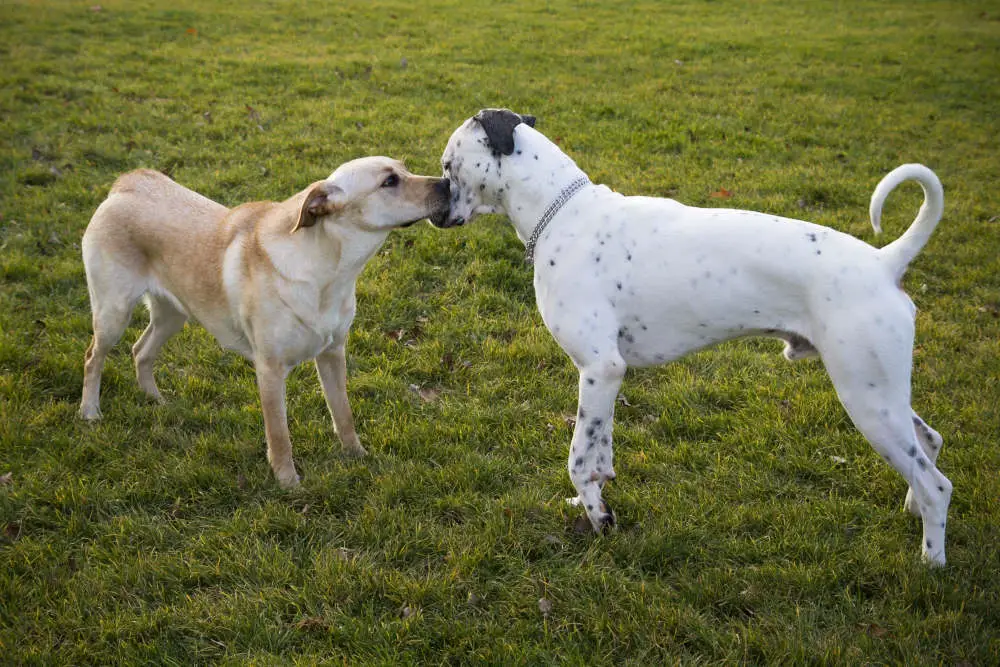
{"points": [[443, 186]]}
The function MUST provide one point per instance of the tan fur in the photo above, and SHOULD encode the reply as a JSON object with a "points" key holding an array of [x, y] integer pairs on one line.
{"points": [[273, 281]]}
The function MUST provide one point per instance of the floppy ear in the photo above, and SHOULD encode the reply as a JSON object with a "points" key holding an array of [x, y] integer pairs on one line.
{"points": [[499, 125], [323, 198]]}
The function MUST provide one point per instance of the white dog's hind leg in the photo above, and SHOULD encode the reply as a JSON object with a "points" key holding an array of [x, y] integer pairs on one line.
{"points": [[164, 321], [931, 441], [872, 378], [590, 455]]}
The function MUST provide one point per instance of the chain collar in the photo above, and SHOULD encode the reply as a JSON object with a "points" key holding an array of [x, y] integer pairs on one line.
{"points": [[560, 201]]}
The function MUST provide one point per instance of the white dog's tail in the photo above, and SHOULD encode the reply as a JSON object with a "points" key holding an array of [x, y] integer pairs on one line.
{"points": [[901, 252]]}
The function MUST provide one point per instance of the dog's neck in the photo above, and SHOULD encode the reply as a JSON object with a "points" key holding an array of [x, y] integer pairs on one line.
{"points": [[534, 177]]}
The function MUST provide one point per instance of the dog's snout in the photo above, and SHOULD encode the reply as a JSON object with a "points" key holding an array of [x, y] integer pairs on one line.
{"points": [[443, 186]]}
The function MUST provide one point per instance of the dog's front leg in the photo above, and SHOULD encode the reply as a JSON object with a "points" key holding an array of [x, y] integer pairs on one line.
{"points": [[331, 365], [590, 454], [271, 384]]}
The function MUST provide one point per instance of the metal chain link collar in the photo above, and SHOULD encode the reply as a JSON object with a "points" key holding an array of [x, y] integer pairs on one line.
{"points": [[564, 196]]}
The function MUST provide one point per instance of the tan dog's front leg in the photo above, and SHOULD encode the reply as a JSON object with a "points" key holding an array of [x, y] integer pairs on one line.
{"points": [[331, 365], [271, 384]]}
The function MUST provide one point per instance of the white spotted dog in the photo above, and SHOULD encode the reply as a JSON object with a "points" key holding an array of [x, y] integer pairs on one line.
{"points": [[636, 281]]}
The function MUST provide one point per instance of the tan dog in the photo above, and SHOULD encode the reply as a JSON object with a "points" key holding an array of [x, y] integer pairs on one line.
{"points": [[272, 281]]}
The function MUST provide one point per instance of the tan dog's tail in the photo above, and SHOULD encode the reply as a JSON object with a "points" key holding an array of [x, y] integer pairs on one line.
{"points": [[901, 252]]}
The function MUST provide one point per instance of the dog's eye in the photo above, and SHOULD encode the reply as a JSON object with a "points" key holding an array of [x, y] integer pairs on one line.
{"points": [[391, 181]]}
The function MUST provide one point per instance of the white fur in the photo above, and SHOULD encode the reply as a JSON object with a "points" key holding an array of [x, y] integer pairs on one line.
{"points": [[636, 281]]}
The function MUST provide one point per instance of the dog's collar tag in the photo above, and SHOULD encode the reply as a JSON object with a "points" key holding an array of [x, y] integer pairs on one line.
{"points": [[560, 201]]}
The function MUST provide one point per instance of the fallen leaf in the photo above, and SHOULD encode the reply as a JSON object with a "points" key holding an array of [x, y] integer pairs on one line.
{"points": [[721, 193], [426, 394], [12, 531], [570, 420], [545, 606], [312, 623], [6, 478], [192, 31], [96, 8]]}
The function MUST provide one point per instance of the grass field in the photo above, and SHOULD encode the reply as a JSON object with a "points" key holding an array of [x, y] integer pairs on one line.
{"points": [[757, 525]]}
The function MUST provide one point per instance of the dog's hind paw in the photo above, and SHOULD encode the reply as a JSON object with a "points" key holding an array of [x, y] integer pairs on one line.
{"points": [[90, 413]]}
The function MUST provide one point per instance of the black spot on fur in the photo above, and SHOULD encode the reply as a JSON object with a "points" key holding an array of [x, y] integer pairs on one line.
{"points": [[912, 452], [922, 464], [812, 237], [552, 262], [930, 545], [578, 462], [590, 381]]}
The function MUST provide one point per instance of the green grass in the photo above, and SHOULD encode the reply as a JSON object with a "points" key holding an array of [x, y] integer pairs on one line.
{"points": [[159, 535]]}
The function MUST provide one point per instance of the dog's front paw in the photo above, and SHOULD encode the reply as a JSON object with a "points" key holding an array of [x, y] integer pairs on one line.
{"points": [[602, 517], [354, 450], [287, 479]]}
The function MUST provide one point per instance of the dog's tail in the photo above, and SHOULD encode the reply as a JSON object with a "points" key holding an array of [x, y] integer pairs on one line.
{"points": [[901, 252]]}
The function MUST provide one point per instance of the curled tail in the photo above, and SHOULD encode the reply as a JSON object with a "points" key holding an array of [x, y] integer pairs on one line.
{"points": [[901, 252]]}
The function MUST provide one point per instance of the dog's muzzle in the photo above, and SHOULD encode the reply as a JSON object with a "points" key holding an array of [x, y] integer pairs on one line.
{"points": [[440, 217]]}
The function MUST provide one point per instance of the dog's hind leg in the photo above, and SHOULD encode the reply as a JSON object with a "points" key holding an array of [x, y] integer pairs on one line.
{"points": [[112, 299], [164, 321], [931, 442], [590, 455], [872, 378]]}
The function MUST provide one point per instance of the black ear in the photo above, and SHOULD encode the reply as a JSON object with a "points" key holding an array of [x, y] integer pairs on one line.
{"points": [[499, 125]]}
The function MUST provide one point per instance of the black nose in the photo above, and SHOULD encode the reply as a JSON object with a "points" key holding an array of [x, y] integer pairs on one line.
{"points": [[443, 186]]}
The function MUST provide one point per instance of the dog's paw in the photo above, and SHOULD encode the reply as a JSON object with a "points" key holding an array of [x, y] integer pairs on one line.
{"points": [[602, 518], [288, 480], [354, 450], [90, 413]]}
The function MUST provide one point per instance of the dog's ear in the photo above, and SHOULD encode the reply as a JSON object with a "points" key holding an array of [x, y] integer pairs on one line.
{"points": [[322, 198], [499, 125]]}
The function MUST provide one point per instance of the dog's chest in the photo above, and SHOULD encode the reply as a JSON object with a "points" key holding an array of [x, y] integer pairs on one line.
{"points": [[317, 317]]}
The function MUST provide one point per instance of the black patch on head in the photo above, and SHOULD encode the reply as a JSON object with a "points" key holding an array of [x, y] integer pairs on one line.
{"points": [[499, 125]]}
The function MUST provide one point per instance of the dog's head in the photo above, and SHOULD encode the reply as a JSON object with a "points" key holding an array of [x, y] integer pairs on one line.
{"points": [[376, 194], [472, 162]]}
